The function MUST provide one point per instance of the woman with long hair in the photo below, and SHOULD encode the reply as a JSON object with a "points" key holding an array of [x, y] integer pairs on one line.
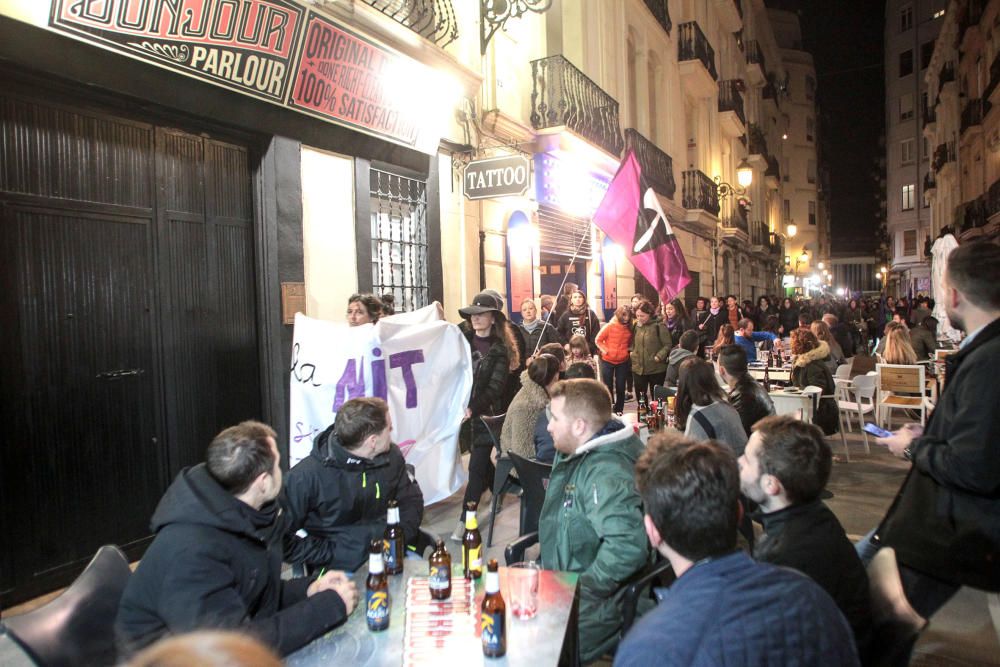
{"points": [[518, 432], [788, 316], [494, 352], [579, 320], [898, 348], [650, 349], [727, 336], [701, 407], [810, 369], [675, 318], [614, 341], [763, 311], [822, 332], [363, 309]]}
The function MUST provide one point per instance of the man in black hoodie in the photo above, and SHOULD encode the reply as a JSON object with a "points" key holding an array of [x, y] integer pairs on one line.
{"points": [[339, 494], [216, 558]]}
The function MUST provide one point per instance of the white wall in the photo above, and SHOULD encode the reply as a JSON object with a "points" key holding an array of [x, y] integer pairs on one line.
{"points": [[329, 247]]}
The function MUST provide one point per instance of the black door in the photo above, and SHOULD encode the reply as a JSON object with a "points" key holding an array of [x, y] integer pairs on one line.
{"points": [[127, 325]]}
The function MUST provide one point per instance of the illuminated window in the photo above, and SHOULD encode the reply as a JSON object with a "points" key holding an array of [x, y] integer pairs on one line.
{"points": [[908, 197], [938, 14], [906, 106]]}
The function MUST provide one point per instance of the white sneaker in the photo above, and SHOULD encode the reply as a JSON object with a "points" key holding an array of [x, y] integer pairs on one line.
{"points": [[459, 532]]}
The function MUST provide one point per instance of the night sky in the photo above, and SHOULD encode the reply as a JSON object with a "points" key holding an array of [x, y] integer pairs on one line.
{"points": [[846, 40]]}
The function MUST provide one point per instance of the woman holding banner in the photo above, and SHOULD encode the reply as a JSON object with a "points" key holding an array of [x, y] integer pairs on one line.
{"points": [[363, 309], [494, 352]]}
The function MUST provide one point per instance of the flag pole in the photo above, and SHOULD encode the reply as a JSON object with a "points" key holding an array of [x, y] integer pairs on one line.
{"points": [[559, 293]]}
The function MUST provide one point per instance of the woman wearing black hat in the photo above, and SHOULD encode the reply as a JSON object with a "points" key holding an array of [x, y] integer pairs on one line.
{"points": [[494, 353]]}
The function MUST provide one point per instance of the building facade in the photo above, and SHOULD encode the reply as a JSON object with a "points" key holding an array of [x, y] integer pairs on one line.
{"points": [[179, 179], [911, 29]]}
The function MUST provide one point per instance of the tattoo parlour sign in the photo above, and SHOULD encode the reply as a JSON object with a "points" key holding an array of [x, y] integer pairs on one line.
{"points": [[275, 50]]}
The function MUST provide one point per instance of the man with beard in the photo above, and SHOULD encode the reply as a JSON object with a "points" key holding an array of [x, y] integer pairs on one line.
{"points": [[943, 524]]}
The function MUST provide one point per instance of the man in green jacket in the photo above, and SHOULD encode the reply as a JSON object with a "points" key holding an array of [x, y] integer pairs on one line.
{"points": [[591, 520]]}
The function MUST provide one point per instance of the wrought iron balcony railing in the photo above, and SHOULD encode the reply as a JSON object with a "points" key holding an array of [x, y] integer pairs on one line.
{"points": [[756, 139], [730, 98], [432, 19], [943, 154], [947, 74], [736, 221], [773, 167], [661, 12], [972, 214], [755, 55], [929, 183], [770, 92], [930, 115], [563, 95], [777, 244], [759, 234], [657, 166], [694, 45], [700, 192], [972, 115]]}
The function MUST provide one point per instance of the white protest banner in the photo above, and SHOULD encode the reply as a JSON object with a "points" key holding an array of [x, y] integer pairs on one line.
{"points": [[418, 363]]}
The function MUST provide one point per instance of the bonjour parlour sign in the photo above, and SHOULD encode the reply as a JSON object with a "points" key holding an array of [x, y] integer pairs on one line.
{"points": [[275, 50]]}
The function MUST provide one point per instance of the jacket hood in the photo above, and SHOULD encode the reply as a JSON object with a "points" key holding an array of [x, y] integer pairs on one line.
{"points": [[818, 353], [328, 451], [614, 433], [196, 498], [678, 354]]}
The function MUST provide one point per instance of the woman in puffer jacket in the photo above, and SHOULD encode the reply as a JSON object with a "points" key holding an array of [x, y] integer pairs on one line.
{"points": [[518, 433], [614, 341]]}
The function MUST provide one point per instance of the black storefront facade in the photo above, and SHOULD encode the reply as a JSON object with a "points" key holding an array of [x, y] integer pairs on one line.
{"points": [[148, 222]]}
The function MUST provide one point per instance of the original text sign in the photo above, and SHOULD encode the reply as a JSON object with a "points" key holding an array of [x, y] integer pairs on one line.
{"points": [[497, 177]]}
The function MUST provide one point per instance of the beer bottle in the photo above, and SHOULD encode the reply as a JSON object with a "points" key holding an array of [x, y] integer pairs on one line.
{"points": [[377, 593], [472, 544], [493, 617], [440, 572], [642, 408], [767, 372], [394, 546]]}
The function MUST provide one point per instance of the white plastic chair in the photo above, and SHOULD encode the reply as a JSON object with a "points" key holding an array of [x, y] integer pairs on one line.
{"points": [[843, 372], [852, 401]]}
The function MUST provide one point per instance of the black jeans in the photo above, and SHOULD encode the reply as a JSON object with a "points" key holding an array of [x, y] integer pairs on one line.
{"points": [[925, 593], [613, 376], [644, 383], [481, 469]]}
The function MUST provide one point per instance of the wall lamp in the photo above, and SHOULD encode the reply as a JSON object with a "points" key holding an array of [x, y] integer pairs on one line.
{"points": [[744, 178]]}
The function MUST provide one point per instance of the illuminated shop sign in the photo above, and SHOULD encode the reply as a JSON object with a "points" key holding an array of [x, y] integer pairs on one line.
{"points": [[569, 185], [274, 50], [497, 177]]}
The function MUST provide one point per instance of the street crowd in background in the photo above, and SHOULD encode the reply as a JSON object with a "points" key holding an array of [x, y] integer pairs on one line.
{"points": [[614, 506]]}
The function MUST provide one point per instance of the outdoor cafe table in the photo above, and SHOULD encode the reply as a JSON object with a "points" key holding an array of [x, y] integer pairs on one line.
{"points": [[793, 401], [775, 373], [537, 642]]}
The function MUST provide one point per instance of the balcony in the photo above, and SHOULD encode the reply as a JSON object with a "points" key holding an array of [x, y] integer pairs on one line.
{"points": [[946, 81], [730, 14], [563, 96], [657, 166], [760, 239], [756, 66], [930, 118], [777, 245], [661, 13], [772, 176], [732, 118], [700, 192], [756, 146], [736, 228], [944, 159], [434, 20], [971, 217], [697, 61], [972, 117], [930, 186], [769, 93]]}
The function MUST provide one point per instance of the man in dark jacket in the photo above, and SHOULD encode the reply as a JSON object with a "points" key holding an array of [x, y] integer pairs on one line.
{"points": [[784, 468], [339, 494], [749, 397], [943, 523], [924, 338], [686, 347], [216, 558], [723, 609]]}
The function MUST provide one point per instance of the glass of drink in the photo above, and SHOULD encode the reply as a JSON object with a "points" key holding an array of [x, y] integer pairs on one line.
{"points": [[522, 581]]}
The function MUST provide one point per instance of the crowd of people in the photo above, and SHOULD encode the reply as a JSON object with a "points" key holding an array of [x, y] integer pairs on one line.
{"points": [[613, 505]]}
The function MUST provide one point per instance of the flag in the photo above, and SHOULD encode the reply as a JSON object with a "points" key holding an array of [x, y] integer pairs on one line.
{"points": [[631, 215]]}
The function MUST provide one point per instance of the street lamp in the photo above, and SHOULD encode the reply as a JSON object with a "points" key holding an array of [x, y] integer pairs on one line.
{"points": [[791, 229], [744, 179]]}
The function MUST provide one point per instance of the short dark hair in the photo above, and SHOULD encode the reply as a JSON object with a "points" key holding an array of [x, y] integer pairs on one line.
{"points": [[646, 307], [581, 370], [974, 270], [734, 359], [689, 340], [543, 369], [796, 453], [359, 418], [744, 323], [691, 492], [239, 454], [586, 399]]}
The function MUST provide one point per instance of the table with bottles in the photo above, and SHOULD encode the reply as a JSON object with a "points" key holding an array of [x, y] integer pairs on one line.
{"points": [[538, 641]]}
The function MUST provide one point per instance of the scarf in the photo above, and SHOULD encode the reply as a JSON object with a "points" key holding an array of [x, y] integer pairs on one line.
{"points": [[530, 328], [715, 311]]}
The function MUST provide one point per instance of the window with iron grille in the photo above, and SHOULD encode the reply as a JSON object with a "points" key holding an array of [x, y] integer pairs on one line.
{"points": [[399, 239]]}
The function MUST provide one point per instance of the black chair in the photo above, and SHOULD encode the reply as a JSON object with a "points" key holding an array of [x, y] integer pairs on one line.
{"points": [[514, 552], [659, 574], [503, 481], [533, 477], [77, 627]]}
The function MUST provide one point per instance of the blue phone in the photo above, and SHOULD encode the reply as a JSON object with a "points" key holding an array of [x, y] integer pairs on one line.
{"points": [[877, 431]]}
